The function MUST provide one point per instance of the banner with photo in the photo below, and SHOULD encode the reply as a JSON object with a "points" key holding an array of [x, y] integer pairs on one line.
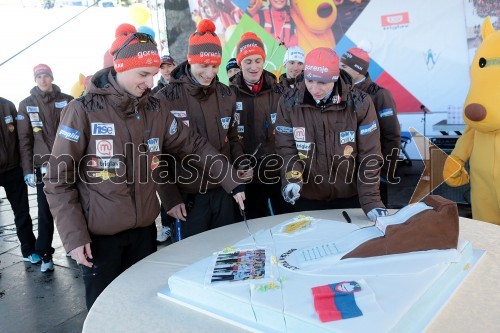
{"points": [[419, 50]]}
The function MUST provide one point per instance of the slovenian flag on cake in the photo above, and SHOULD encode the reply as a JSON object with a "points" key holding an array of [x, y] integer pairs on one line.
{"points": [[336, 301]]}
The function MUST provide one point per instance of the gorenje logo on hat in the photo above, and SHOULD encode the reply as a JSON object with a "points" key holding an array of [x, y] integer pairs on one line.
{"points": [[321, 69]]}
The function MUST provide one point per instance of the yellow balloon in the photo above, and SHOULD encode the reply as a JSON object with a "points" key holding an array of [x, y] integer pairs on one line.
{"points": [[139, 14]]}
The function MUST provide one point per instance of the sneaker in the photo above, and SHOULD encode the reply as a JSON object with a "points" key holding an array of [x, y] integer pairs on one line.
{"points": [[165, 234], [47, 266], [33, 258]]}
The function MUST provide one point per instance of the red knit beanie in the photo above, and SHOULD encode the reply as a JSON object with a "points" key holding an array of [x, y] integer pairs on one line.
{"points": [[322, 65], [136, 53], [204, 45], [42, 69], [356, 58], [250, 44]]}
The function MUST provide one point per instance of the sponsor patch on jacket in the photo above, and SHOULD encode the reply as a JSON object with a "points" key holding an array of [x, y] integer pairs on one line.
{"points": [[299, 133], [36, 124], [104, 174], [19, 117], [303, 145], [186, 122], [347, 136], [302, 156], [104, 163], [11, 128], [348, 151], [239, 106], [225, 122], [367, 129], [155, 161], [34, 117], [8, 119], [386, 113], [173, 127], [294, 174], [61, 104], [284, 129], [36, 129], [69, 133], [241, 129], [31, 109], [154, 144], [103, 128], [236, 120], [179, 114], [104, 148], [273, 118]]}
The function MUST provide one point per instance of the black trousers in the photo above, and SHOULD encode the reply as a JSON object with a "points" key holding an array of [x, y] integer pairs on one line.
{"points": [[207, 211], [258, 196], [112, 255], [303, 204], [17, 193], [45, 221]]}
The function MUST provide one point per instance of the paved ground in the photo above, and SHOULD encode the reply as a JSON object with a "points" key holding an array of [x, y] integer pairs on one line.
{"points": [[32, 301]]}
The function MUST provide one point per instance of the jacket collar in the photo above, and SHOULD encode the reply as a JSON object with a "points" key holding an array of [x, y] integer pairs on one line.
{"points": [[269, 80], [46, 96]]}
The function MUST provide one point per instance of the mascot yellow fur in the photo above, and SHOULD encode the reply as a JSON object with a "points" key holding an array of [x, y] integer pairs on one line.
{"points": [[314, 20], [480, 143]]}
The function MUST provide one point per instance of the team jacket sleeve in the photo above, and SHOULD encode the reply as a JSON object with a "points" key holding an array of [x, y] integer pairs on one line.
{"points": [[369, 156], [292, 169], [390, 131], [180, 140], [62, 175], [26, 139]]}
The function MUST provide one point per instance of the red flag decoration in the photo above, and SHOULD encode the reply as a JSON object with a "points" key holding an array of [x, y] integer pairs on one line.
{"points": [[336, 301]]}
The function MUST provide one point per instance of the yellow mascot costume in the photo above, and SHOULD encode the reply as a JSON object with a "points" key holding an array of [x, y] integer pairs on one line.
{"points": [[480, 143]]}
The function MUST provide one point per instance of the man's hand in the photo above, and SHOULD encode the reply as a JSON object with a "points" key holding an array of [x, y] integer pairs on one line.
{"points": [[375, 213], [245, 175], [80, 255], [291, 193], [178, 212], [29, 179], [240, 198]]}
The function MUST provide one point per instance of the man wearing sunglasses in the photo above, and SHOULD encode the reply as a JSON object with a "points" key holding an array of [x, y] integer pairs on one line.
{"points": [[103, 173]]}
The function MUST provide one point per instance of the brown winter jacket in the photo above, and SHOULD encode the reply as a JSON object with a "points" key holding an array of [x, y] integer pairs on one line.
{"points": [[118, 140], [37, 127], [390, 131], [256, 117], [209, 112], [325, 146], [9, 143]]}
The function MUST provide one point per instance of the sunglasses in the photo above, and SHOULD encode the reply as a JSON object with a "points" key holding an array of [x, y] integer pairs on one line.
{"points": [[140, 37]]}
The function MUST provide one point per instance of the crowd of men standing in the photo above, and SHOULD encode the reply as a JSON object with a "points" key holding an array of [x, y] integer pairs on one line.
{"points": [[316, 138]]}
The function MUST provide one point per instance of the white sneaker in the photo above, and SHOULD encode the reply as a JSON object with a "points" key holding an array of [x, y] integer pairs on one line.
{"points": [[165, 234], [47, 266]]}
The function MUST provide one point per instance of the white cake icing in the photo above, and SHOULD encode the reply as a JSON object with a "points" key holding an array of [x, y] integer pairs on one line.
{"points": [[396, 294]]}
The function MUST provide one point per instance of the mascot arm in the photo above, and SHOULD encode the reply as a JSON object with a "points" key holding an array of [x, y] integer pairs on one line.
{"points": [[454, 172]]}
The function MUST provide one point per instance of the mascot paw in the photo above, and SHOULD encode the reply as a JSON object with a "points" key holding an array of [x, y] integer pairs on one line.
{"points": [[454, 173]]}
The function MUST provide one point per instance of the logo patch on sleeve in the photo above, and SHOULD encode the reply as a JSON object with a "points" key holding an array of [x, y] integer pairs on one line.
{"points": [[104, 148], [60, 105], [36, 124], [284, 129], [367, 129], [347, 136], [31, 109], [19, 117], [273, 118], [225, 122], [236, 120], [34, 117], [103, 128], [386, 113], [69, 133], [239, 106], [8, 119], [241, 129], [178, 114], [173, 127]]}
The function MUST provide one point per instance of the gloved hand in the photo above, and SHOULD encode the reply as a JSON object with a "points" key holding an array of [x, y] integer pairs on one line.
{"points": [[29, 179], [291, 193], [454, 173], [376, 213]]}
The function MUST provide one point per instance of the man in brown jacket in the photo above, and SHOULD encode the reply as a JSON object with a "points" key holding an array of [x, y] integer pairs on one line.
{"points": [[105, 206], [327, 133], [11, 178], [257, 95], [37, 125], [355, 62], [197, 99]]}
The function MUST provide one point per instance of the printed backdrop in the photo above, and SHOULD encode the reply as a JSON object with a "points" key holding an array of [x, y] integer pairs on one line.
{"points": [[420, 50]]}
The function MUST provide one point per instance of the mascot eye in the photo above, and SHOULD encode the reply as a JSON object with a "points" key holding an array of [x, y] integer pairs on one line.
{"points": [[482, 62]]}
